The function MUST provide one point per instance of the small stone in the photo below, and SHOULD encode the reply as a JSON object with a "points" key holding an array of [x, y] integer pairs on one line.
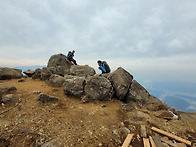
{"points": [[21, 80], [9, 98], [36, 92], [115, 132], [45, 98], [126, 130], [103, 105]]}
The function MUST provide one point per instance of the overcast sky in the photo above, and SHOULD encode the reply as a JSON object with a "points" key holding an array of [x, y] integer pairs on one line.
{"points": [[152, 39]]}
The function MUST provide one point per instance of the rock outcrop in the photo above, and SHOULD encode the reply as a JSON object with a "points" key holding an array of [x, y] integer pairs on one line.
{"points": [[138, 93], [121, 81], [45, 73], [56, 80], [74, 86], [59, 64], [98, 88], [10, 73], [82, 70], [37, 74], [81, 81]]}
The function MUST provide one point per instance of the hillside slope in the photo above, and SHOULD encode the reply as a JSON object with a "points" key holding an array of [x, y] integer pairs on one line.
{"points": [[70, 122]]}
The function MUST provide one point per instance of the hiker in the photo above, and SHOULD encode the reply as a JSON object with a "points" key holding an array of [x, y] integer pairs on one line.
{"points": [[70, 56], [103, 66]]}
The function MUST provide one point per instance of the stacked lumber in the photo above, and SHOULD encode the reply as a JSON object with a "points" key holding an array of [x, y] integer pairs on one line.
{"points": [[156, 141]]}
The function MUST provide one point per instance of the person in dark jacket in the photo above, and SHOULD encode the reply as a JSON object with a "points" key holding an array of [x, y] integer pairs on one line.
{"points": [[103, 66], [70, 56], [103, 70]]}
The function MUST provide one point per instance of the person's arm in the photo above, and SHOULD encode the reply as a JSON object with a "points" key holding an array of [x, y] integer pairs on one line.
{"points": [[102, 68]]}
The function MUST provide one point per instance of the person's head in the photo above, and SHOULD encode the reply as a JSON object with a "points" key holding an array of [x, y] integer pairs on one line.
{"points": [[73, 51], [99, 62]]}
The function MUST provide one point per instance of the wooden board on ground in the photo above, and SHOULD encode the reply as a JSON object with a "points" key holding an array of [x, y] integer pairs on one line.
{"points": [[173, 144], [127, 140], [143, 131], [168, 142], [172, 136], [146, 142], [152, 142], [157, 141]]}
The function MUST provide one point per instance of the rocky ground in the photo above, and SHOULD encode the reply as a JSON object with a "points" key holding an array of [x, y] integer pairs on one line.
{"points": [[25, 121]]}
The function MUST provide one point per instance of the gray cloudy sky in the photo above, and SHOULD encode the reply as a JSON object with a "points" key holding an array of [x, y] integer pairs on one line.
{"points": [[152, 39]]}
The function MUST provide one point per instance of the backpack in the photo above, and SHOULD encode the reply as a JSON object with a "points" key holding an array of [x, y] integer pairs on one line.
{"points": [[69, 54], [106, 66]]}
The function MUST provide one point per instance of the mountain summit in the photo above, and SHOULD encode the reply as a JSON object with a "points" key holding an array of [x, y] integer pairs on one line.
{"points": [[70, 105]]}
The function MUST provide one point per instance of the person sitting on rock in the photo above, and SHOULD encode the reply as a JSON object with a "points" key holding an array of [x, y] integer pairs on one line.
{"points": [[70, 56], [103, 66]]}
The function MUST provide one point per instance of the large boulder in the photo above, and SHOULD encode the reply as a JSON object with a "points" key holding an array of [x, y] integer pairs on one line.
{"points": [[45, 73], [121, 81], [59, 64], [138, 93], [74, 86], [82, 70], [37, 74], [56, 80], [42, 74], [29, 73], [10, 73], [98, 88]]}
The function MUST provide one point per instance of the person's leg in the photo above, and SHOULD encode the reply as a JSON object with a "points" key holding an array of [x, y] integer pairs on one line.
{"points": [[74, 61]]}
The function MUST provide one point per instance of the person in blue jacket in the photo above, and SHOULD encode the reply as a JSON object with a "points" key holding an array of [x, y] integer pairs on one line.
{"points": [[103, 70]]}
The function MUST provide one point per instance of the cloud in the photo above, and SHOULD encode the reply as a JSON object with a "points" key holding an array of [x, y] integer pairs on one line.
{"points": [[127, 31]]}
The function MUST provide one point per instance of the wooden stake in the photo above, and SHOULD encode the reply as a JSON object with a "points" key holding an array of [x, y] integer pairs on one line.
{"points": [[172, 136], [143, 131], [152, 142], [127, 140], [146, 142]]}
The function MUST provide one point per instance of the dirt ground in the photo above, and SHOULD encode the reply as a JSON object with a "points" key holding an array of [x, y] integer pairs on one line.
{"points": [[70, 122]]}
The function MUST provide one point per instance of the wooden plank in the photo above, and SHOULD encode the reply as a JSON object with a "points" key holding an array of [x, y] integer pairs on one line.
{"points": [[181, 145], [127, 140], [152, 142], [157, 141], [146, 142], [172, 136], [173, 144], [143, 131], [168, 142]]}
